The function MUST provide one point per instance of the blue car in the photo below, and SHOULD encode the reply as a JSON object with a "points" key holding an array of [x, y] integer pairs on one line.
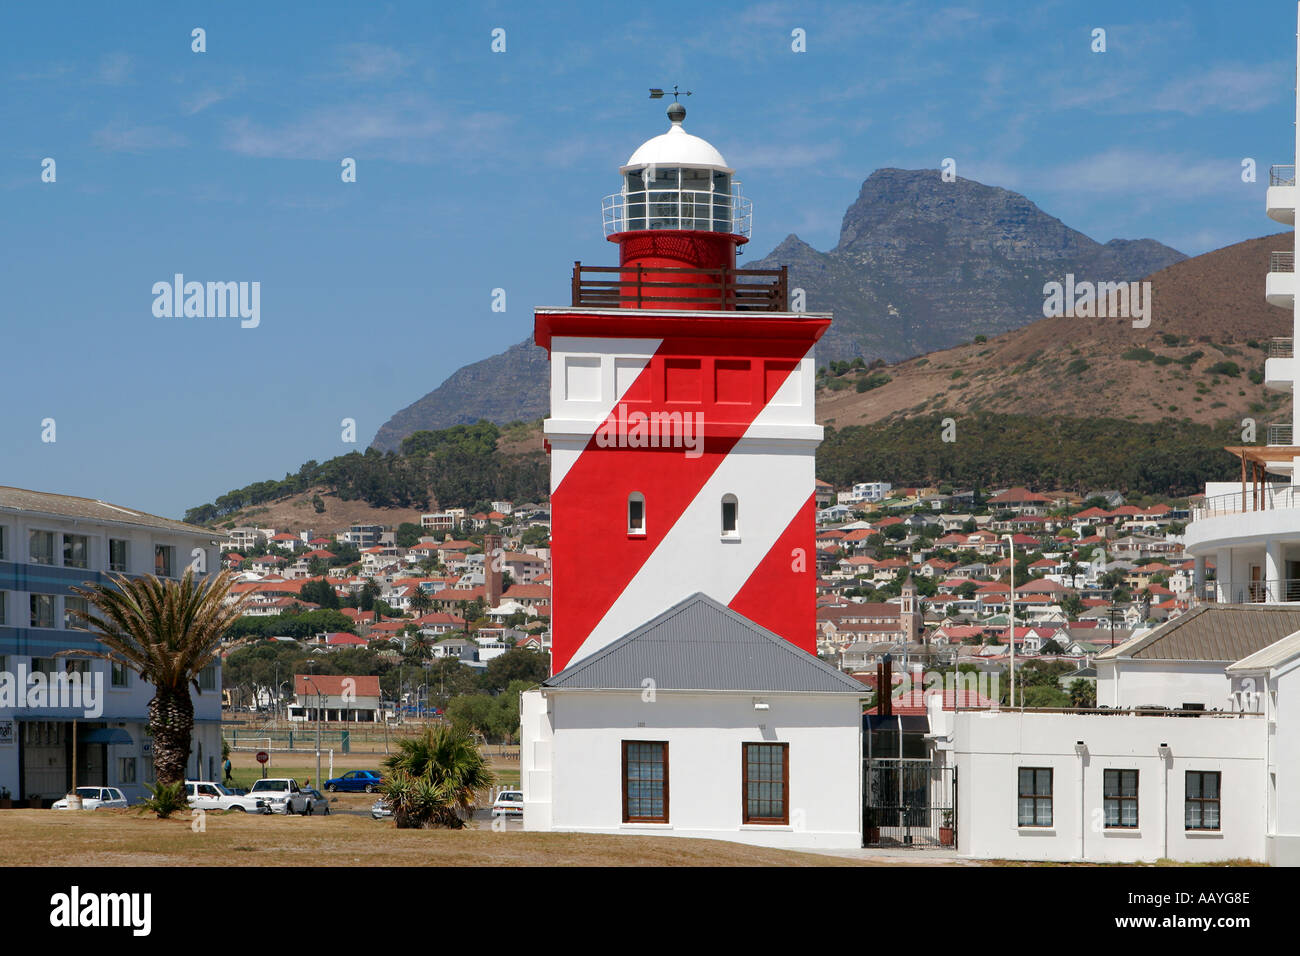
{"points": [[355, 781]]}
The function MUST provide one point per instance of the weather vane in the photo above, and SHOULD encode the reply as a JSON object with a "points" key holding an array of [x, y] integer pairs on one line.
{"points": [[658, 94]]}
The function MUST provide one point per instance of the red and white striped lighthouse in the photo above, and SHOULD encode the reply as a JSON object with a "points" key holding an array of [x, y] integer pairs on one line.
{"points": [[682, 432]]}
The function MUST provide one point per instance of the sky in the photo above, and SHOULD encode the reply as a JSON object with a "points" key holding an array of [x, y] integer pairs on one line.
{"points": [[481, 169]]}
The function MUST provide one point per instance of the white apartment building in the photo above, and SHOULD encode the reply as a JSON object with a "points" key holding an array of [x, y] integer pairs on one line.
{"points": [[48, 544], [1250, 529], [865, 492]]}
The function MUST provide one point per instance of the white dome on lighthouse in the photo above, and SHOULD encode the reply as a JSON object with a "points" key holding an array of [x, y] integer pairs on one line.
{"points": [[677, 148]]}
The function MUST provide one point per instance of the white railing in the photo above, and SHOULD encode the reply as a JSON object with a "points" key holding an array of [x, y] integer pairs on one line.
{"points": [[678, 209], [1280, 434], [1281, 262], [1280, 347], [1276, 495]]}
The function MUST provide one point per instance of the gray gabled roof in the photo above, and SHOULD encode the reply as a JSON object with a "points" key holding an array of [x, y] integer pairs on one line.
{"points": [[21, 500], [699, 644], [1213, 632]]}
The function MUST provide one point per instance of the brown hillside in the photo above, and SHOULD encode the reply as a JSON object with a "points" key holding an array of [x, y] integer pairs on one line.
{"points": [[1213, 304], [296, 513]]}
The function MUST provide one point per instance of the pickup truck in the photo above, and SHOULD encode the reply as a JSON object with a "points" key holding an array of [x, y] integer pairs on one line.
{"points": [[282, 795], [207, 795]]}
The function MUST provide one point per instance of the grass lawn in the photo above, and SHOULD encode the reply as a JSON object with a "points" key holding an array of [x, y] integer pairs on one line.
{"points": [[126, 838]]}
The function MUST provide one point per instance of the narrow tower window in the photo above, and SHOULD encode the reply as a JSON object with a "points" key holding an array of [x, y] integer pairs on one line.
{"points": [[636, 513], [729, 508]]}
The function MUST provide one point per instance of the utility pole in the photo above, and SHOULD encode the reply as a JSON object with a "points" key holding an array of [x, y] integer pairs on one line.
{"points": [[311, 664]]}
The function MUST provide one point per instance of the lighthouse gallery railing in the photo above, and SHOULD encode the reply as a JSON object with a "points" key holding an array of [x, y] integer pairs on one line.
{"points": [[651, 287]]}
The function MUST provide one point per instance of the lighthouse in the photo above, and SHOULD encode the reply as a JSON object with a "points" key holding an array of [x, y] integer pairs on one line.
{"points": [[682, 434]]}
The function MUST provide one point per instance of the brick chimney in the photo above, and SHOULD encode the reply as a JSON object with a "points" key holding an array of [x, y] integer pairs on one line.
{"points": [[492, 559]]}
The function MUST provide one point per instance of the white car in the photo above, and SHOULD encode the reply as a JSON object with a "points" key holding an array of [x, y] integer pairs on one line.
{"points": [[207, 795], [509, 803], [93, 798], [282, 795], [379, 809]]}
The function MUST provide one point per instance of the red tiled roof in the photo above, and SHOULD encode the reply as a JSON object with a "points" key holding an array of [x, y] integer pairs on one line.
{"points": [[305, 685]]}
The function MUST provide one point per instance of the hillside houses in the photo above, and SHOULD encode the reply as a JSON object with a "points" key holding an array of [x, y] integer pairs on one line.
{"points": [[1082, 569]]}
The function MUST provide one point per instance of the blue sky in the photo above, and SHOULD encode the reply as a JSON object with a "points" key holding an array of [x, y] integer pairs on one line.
{"points": [[479, 170]]}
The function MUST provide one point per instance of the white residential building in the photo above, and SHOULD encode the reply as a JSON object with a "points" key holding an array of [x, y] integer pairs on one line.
{"points": [[1251, 528]]}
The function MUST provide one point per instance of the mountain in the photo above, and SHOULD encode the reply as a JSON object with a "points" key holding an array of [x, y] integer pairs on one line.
{"points": [[1201, 359], [921, 264], [511, 386]]}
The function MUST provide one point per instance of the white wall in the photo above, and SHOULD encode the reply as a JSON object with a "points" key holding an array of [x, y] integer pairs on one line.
{"points": [[991, 747], [1137, 682], [571, 763]]}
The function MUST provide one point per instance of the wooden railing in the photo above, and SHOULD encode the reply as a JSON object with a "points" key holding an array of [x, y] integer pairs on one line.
{"points": [[662, 287]]}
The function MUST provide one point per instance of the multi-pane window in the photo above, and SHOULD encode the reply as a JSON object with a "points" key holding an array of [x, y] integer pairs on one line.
{"points": [[1201, 805], [636, 513], [42, 610], [76, 551], [41, 547], [119, 675], [126, 770], [117, 556], [767, 783], [163, 555], [70, 620], [1034, 803], [4, 543], [3, 598], [1120, 798], [208, 678], [645, 781]]}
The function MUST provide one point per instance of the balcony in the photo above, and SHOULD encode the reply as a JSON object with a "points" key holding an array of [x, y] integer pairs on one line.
{"points": [[664, 287], [1280, 435], [1280, 366], [1279, 284], [1280, 591], [1280, 201]]}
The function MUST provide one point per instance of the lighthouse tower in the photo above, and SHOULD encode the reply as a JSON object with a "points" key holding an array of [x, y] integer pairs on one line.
{"points": [[681, 432]]}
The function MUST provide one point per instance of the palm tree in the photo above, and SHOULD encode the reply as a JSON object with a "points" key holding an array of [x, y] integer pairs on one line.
{"points": [[167, 632], [434, 775], [421, 602]]}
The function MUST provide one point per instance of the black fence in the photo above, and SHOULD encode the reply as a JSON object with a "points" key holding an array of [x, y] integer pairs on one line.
{"points": [[909, 803]]}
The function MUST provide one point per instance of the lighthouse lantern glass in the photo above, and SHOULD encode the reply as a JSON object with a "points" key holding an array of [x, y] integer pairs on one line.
{"points": [[675, 197]]}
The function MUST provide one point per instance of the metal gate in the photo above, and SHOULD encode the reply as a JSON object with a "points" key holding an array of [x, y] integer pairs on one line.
{"points": [[908, 802]]}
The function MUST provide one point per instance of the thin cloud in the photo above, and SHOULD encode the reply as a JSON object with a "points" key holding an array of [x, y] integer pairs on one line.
{"points": [[115, 69], [404, 129], [370, 61], [125, 138], [1123, 171]]}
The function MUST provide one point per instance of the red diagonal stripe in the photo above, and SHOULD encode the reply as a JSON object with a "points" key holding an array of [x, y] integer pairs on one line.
{"points": [[593, 557]]}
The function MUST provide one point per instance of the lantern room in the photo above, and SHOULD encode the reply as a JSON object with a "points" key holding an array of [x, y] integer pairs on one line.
{"points": [[677, 181]]}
